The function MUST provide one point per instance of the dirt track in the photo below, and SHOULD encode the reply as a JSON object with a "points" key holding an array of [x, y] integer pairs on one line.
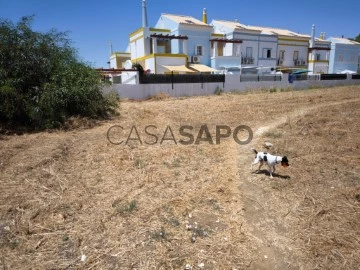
{"points": [[274, 247], [68, 194]]}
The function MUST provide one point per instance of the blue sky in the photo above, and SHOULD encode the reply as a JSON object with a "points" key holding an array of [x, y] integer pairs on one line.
{"points": [[92, 24]]}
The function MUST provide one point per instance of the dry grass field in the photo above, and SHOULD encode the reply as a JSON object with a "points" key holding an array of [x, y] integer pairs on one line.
{"points": [[73, 200]]}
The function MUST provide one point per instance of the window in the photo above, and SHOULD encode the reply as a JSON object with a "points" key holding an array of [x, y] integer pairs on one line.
{"points": [[161, 49], [341, 58], [282, 55], [266, 53], [249, 52], [199, 50], [236, 49], [296, 55], [221, 49], [318, 56]]}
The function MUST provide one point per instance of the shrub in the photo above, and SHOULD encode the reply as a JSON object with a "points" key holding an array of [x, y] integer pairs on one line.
{"points": [[139, 68], [42, 82], [218, 91]]}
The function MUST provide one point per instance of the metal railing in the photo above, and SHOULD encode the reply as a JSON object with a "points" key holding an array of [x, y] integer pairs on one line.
{"points": [[260, 78], [306, 77], [181, 78], [220, 78], [324, 77], [247, 60]]}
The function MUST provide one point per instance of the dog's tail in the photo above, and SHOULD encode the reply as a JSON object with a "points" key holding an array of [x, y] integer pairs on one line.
{"points": [[254, 150]]}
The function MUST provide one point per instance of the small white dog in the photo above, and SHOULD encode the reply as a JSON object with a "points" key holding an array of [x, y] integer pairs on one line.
{"points": [[262, 157]]}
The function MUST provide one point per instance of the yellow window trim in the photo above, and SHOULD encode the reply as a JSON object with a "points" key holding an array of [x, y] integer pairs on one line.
{"points": [[296, 40], [170, 55], [217, 35], [120, 54], [159, 30], [318, 61], [158, 55], [137, 32], [133, 40], [297, 45]]}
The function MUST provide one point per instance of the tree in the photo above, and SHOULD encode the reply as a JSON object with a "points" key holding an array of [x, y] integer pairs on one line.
{"points": [[139, 68], [42, 82], [357, 38]]}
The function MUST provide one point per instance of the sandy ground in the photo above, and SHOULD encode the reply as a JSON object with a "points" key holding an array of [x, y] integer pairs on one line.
{"points": [[72, 199]]}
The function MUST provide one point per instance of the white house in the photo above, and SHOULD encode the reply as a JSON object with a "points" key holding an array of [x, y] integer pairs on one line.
{"points": [[292, 48], [183, 44], [344, 56], [118, 59], [254, 47], [177, 43], [319, 53], [196, 44], [272, 47]]}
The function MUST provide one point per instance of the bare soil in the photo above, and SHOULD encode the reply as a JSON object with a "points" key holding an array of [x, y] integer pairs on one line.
{"points": [[72, 199]]}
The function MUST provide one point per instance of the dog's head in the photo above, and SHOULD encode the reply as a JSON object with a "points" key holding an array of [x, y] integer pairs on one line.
{"points": [[284, 162]]}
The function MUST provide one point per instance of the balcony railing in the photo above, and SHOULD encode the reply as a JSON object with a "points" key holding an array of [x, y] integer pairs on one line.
{"points": [[247, 60], [280, 62], [299, 63]]}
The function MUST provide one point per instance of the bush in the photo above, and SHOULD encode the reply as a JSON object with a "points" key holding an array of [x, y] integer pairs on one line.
{"points": [[218, 91], [42, 82], [139, 68]]}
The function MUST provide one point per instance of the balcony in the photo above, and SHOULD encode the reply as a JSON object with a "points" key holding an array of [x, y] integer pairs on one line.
{"points": [[299, 63], [247, 60], [225, 61], [296, 63]]}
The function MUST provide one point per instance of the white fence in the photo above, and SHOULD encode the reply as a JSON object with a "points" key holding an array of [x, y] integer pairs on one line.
{"points": [[232, 84]]}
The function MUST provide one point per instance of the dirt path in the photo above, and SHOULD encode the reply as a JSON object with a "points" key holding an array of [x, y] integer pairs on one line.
{"points": [[263, 225], [266, 226]]}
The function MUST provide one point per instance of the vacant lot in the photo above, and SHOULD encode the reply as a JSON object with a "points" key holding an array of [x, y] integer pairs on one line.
{"points": [[71, 199]]}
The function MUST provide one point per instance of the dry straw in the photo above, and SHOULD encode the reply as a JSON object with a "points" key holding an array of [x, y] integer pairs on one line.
{"points": [[71, 199]]}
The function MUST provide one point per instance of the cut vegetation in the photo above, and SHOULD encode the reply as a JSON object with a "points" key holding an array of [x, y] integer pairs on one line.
{"points": [[74, 200]]}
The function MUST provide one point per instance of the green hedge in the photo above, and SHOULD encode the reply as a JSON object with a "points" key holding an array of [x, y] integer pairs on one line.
{"points": [[42, 82]]}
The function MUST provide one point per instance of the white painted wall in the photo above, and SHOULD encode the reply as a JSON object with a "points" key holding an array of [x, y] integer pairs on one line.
{"points": [[267, 42], [318, 67], [137, 47], [130, 77], [228, 49], [233, 84], [113, 62], [289, 47], [168, 61], [251, 44], [150, 64]]}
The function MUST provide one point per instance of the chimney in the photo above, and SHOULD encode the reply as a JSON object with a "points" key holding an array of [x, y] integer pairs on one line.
{"points": [[111, 48], [204, 16], [144, 15], [312, 40]]}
